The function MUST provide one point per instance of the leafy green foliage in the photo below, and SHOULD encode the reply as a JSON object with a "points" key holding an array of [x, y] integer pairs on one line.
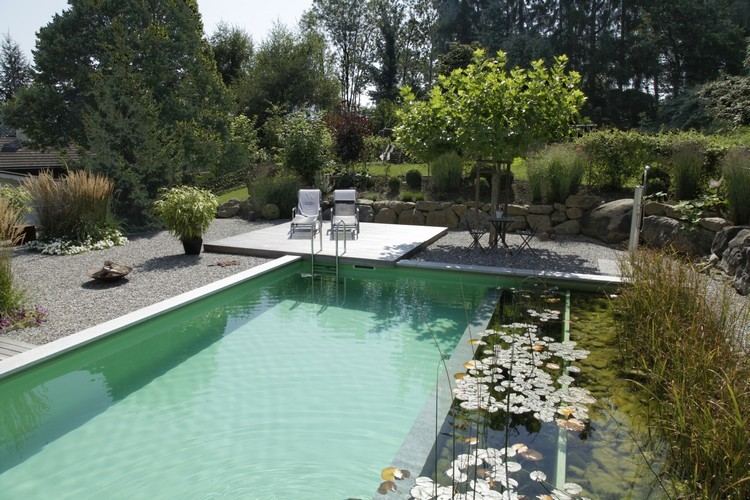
{"points": [[615, 156], [305, 145], [736, 169], [18, 197], [232, 49], [186, 211], [447, 173], [414, 179], [10, 220], [555, 173], [289, 71], [412, 196], [280, 190], [394, 185], [489, 113]]}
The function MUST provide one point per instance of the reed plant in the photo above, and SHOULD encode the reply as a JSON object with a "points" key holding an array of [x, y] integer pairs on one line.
{"points": [[686, 162], [687, 339], [555, 173], [75, 207], [10, 234], [736, 170]]}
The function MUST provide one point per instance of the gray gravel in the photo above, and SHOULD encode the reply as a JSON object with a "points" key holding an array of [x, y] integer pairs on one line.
{"points": [[577, 254], [160, 270]]}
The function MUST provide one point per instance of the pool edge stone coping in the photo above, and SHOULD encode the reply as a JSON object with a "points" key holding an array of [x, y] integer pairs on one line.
{"points": [[418, 447], [60, 346]]}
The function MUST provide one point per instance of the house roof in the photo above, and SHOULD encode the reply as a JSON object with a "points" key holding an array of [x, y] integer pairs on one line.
{"points": [[26, 160]]}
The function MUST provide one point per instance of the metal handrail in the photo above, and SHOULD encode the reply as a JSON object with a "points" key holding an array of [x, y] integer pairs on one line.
{"points": [[337, 231]]}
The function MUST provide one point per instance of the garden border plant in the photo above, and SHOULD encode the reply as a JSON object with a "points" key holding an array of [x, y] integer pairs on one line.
{"points": [[187, 212]]}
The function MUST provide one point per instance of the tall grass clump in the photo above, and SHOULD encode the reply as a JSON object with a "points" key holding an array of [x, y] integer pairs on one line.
{"points": [[75, 207], [447, 173], [686, 162], [280, 190], [736, 170], [10, 234], [687, 340], [555, 173]]}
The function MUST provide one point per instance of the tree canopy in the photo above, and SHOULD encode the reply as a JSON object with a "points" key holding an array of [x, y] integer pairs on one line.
{"points": [[487, 112], [15, 71]]}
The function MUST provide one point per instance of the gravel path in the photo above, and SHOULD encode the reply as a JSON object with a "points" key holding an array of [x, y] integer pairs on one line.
{"points": [[577, 254], [160, 270]]}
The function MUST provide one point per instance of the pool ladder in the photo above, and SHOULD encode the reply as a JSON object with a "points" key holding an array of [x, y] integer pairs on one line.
{"points": [[337, 230]]}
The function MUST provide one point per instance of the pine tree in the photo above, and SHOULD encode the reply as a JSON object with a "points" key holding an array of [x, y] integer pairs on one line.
{"points": [[15, 72]]}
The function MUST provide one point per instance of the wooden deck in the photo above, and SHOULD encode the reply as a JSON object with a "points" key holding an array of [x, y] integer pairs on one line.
{"points": [[11, 347], [377, 243]]}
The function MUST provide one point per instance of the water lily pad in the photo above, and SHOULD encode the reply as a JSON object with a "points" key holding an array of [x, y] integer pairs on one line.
{"points": [[519, 447], [459, 376], [471, 364], [387, 487], [531, 455], [572, 488], [538, 476], [391, 473], [553, 366]]}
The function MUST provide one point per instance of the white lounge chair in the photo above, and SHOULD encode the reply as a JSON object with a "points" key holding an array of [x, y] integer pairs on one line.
{"points": [[345, 214], [307, 216]]}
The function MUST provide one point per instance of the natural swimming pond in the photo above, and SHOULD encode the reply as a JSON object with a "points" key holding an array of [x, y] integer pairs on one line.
{"points": [[286, 387]]}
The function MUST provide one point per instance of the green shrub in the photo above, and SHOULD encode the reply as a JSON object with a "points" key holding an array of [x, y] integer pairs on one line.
{"points": [[686, 163], [280, 190], [736, 169], [447, 173], [187, 211], [414, 179], [306, 145], [555, 173], [614, 157], [658, 181], [412, 196], [18, 197], [375, 146], [74, 208], [394, 185]]}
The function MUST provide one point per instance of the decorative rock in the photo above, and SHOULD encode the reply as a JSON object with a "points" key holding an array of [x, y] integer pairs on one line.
{"points": [[583, 201], [661, 231], [442, 218], [609, 222], [714, 224], [228, 209], [541, 209], [429, 206], [670, 211], [736, 261], [654, 208], [540, 223], [723, 237], [517, 210], [574, 213], [412, 217], [558, 217], [270, 211], [568, 227], [364, 201], [245, 210], [475, 218], [396, 206], [559, 206], [386, 216], [366, 213], [459, 210], [111, 272]]}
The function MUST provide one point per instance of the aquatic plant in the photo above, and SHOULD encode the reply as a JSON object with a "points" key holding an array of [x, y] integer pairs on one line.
{"points": [[686, 339]]}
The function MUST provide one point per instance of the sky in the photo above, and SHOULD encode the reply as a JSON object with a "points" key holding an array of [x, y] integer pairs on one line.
{"points": [[22, 19]]}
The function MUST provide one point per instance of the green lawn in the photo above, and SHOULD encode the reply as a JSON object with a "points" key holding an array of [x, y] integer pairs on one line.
{"points": [[238, 194]]}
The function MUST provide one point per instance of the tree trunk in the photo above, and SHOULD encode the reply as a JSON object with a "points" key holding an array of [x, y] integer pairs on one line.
{"points": [[494, 200]]}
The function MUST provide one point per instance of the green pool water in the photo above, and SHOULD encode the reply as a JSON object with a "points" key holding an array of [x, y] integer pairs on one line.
{"points": [[281, 387]]}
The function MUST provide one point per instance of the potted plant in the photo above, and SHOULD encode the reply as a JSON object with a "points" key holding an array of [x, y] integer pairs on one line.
{"points": [[187, 212]]}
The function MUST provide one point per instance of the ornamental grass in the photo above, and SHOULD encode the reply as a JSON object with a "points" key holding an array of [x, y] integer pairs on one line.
{"points": [[686, 337]]}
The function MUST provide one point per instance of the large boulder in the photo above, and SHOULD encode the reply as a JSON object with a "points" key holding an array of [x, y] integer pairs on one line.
{"points": [[515, 210], [411, 217], [442, 218], [714, 224], [736, 261], [573, 213], [583, 201], [558, 217], [540, 223], [609, 222], [396, 206], [654, 208], [228, 209], [540, 209], [431, 206], [568, 228], [386, 216], [723, 237], [664, 232], [475, 218], [366, 212], [459, 210]]}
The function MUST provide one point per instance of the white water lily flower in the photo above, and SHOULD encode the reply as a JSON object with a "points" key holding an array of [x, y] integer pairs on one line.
{"points": [[537, 476], [572, 488], [457, 475]]}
